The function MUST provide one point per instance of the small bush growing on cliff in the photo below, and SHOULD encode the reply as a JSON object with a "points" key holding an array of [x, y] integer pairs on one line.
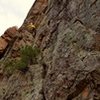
{"points": [[28, 55], [22, 66]]}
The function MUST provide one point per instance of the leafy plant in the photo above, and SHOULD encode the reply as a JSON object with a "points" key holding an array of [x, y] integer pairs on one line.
{"points": [[22, 66], [28, 55]]}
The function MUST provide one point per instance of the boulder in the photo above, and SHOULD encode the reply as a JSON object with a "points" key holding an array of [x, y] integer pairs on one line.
{"points": [[3, 45]]}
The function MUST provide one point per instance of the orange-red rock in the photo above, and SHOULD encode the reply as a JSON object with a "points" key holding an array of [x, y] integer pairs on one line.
{"points": [[3, 44], [10, 33]]}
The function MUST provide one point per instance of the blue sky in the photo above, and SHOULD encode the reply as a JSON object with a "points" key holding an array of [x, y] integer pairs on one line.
{"points": [[13, 13]]}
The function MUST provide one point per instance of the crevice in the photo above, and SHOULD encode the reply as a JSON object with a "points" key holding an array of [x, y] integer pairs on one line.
{"points": [[78, 20], [45, 9], [43, 95], [93, 3], [98, 28], [55, 30], [45, 68], [79, 88], [3, 53]]}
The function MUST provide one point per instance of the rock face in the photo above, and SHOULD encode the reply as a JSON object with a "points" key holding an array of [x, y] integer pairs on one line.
{"points": [[3, 45], [7, 38], [68, 35]]}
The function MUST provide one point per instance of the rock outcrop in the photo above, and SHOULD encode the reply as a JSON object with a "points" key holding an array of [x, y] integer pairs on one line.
{"points": [[8, 36], [3, 45], [68, 68]]}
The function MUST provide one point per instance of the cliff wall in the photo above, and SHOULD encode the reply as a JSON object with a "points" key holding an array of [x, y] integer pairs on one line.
{"points": [[67, 32]]}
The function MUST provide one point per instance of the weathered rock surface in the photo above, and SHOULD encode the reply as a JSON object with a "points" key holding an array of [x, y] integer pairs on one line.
{"points": [[3, 45], [8, 36], [68, 34]]}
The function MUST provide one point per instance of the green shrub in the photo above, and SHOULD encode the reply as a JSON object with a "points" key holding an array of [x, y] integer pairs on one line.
{"points": [[22, 66], [28, 55]]}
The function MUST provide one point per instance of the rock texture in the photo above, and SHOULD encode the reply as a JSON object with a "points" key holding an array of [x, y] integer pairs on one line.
{"points": [[7, 37], [68, 35]]}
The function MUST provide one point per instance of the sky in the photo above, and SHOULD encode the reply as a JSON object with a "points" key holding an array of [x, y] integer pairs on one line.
{"points": [[13, 13]]}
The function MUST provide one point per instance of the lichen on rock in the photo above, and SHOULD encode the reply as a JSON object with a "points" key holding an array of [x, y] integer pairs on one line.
{"points": [[67, 34]]}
